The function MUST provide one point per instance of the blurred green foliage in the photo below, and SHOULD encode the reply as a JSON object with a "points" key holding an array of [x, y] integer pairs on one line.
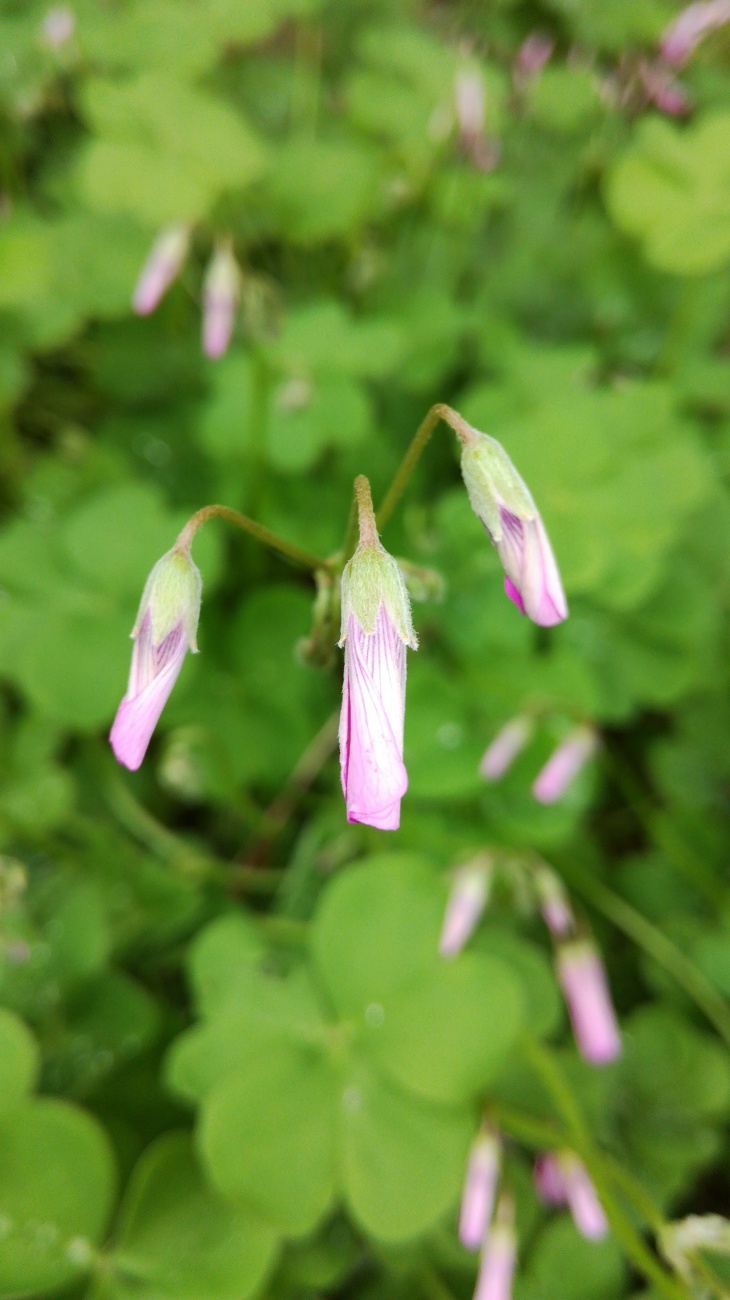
{"points": [[231, 1060]]}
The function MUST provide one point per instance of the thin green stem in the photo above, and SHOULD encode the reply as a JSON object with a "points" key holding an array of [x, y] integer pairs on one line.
{"points": [[258, 531], [547, 1068], [654, 942], [400, 481]]}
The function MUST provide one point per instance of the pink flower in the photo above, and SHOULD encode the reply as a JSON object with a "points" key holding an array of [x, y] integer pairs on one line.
{"points": [[220, 299], [554, 903], [162, 266], [376, 628], [561, 1178], [504, 749], [662, 89], [502, 501], [467, 900], [531, 581], [163, 633], [583, 981], [499, 1258], [690, 27], [477, 1202], [58, 26], [533, 54], [564, 764]]}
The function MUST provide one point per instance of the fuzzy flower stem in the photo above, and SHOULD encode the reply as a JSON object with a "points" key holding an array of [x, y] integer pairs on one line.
{"points": [[264, 535], [365, 512], [546, 1066], [440, 411]]}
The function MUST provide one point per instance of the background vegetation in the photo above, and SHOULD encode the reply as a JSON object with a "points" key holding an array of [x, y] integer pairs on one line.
{"points": [[197, 949]]}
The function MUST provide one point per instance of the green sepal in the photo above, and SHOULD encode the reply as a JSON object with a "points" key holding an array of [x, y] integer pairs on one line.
{"points": [[492, 481], [370, 579], [172, 594]]}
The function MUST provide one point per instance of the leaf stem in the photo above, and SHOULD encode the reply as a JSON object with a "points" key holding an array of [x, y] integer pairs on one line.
{"points": [[262, 534]]}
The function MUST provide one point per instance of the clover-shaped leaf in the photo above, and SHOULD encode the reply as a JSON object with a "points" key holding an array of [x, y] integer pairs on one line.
{"points": [[672, 190], [355, 1076]]}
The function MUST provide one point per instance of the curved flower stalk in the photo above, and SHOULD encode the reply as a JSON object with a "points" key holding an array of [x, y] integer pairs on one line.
{"points": [[583, 981], [564, 764], [376, 628], [165, 630], [163, 265], [502, 501], [562, 1179]]}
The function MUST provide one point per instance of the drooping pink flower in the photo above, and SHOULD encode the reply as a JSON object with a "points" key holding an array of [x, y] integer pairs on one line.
{"points": [[564, 764], [376, 628], [58, 26], [163, 265], [467, 900], [562, 1179], [583, 981], [480, 1187], [506, 746], [221, 291], [533, 54], [497, 1268], [502, 501], [163, 633], [682, 37]]}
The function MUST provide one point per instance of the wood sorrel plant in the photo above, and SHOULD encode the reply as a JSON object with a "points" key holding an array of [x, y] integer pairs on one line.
{"points": [[376, 623]]}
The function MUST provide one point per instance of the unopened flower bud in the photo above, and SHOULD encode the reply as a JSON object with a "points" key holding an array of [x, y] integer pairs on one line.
{"points": [[163, 265], [58, 26], [164, 631], [467, 900], [376, 628], [583, 981], [221, 291], [533, 54], [502, 501], [505, 748], [562, 1179], [690, 27], [480, 1187], [497, 1268], [554, 903], [564, 764]]}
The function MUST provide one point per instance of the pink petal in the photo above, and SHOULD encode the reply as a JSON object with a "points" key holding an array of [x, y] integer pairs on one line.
{"points": [[374, 777], [550, 1180], [514, 595], [564, 764], [498, 1265], [585, 1206], [477, 1202], [152, 676], [583, 981], [532, 579]]}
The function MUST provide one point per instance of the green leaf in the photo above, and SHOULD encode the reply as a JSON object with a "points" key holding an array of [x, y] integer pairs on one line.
{"points": [[377, 929], [402, 1158], [177, 1239], [267, 1136], [671, 189], [564, 1266], [18, 1060], [57, 1183], [446, 1035], [222, 958], [320, 189]]}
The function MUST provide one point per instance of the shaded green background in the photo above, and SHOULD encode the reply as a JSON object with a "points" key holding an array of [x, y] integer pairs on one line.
{"points": [[194, 949]]}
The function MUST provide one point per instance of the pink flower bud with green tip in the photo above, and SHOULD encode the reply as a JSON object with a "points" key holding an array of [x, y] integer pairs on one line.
{"points": [[165, 630], [682, 37], [502, 501], [376, 628], [505, 748], [564, 764], [562, 1179], [554, 903], [480, 1187], [163, 265], [583, 981], [497, 1268], [467, 900], [221, 291]]}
